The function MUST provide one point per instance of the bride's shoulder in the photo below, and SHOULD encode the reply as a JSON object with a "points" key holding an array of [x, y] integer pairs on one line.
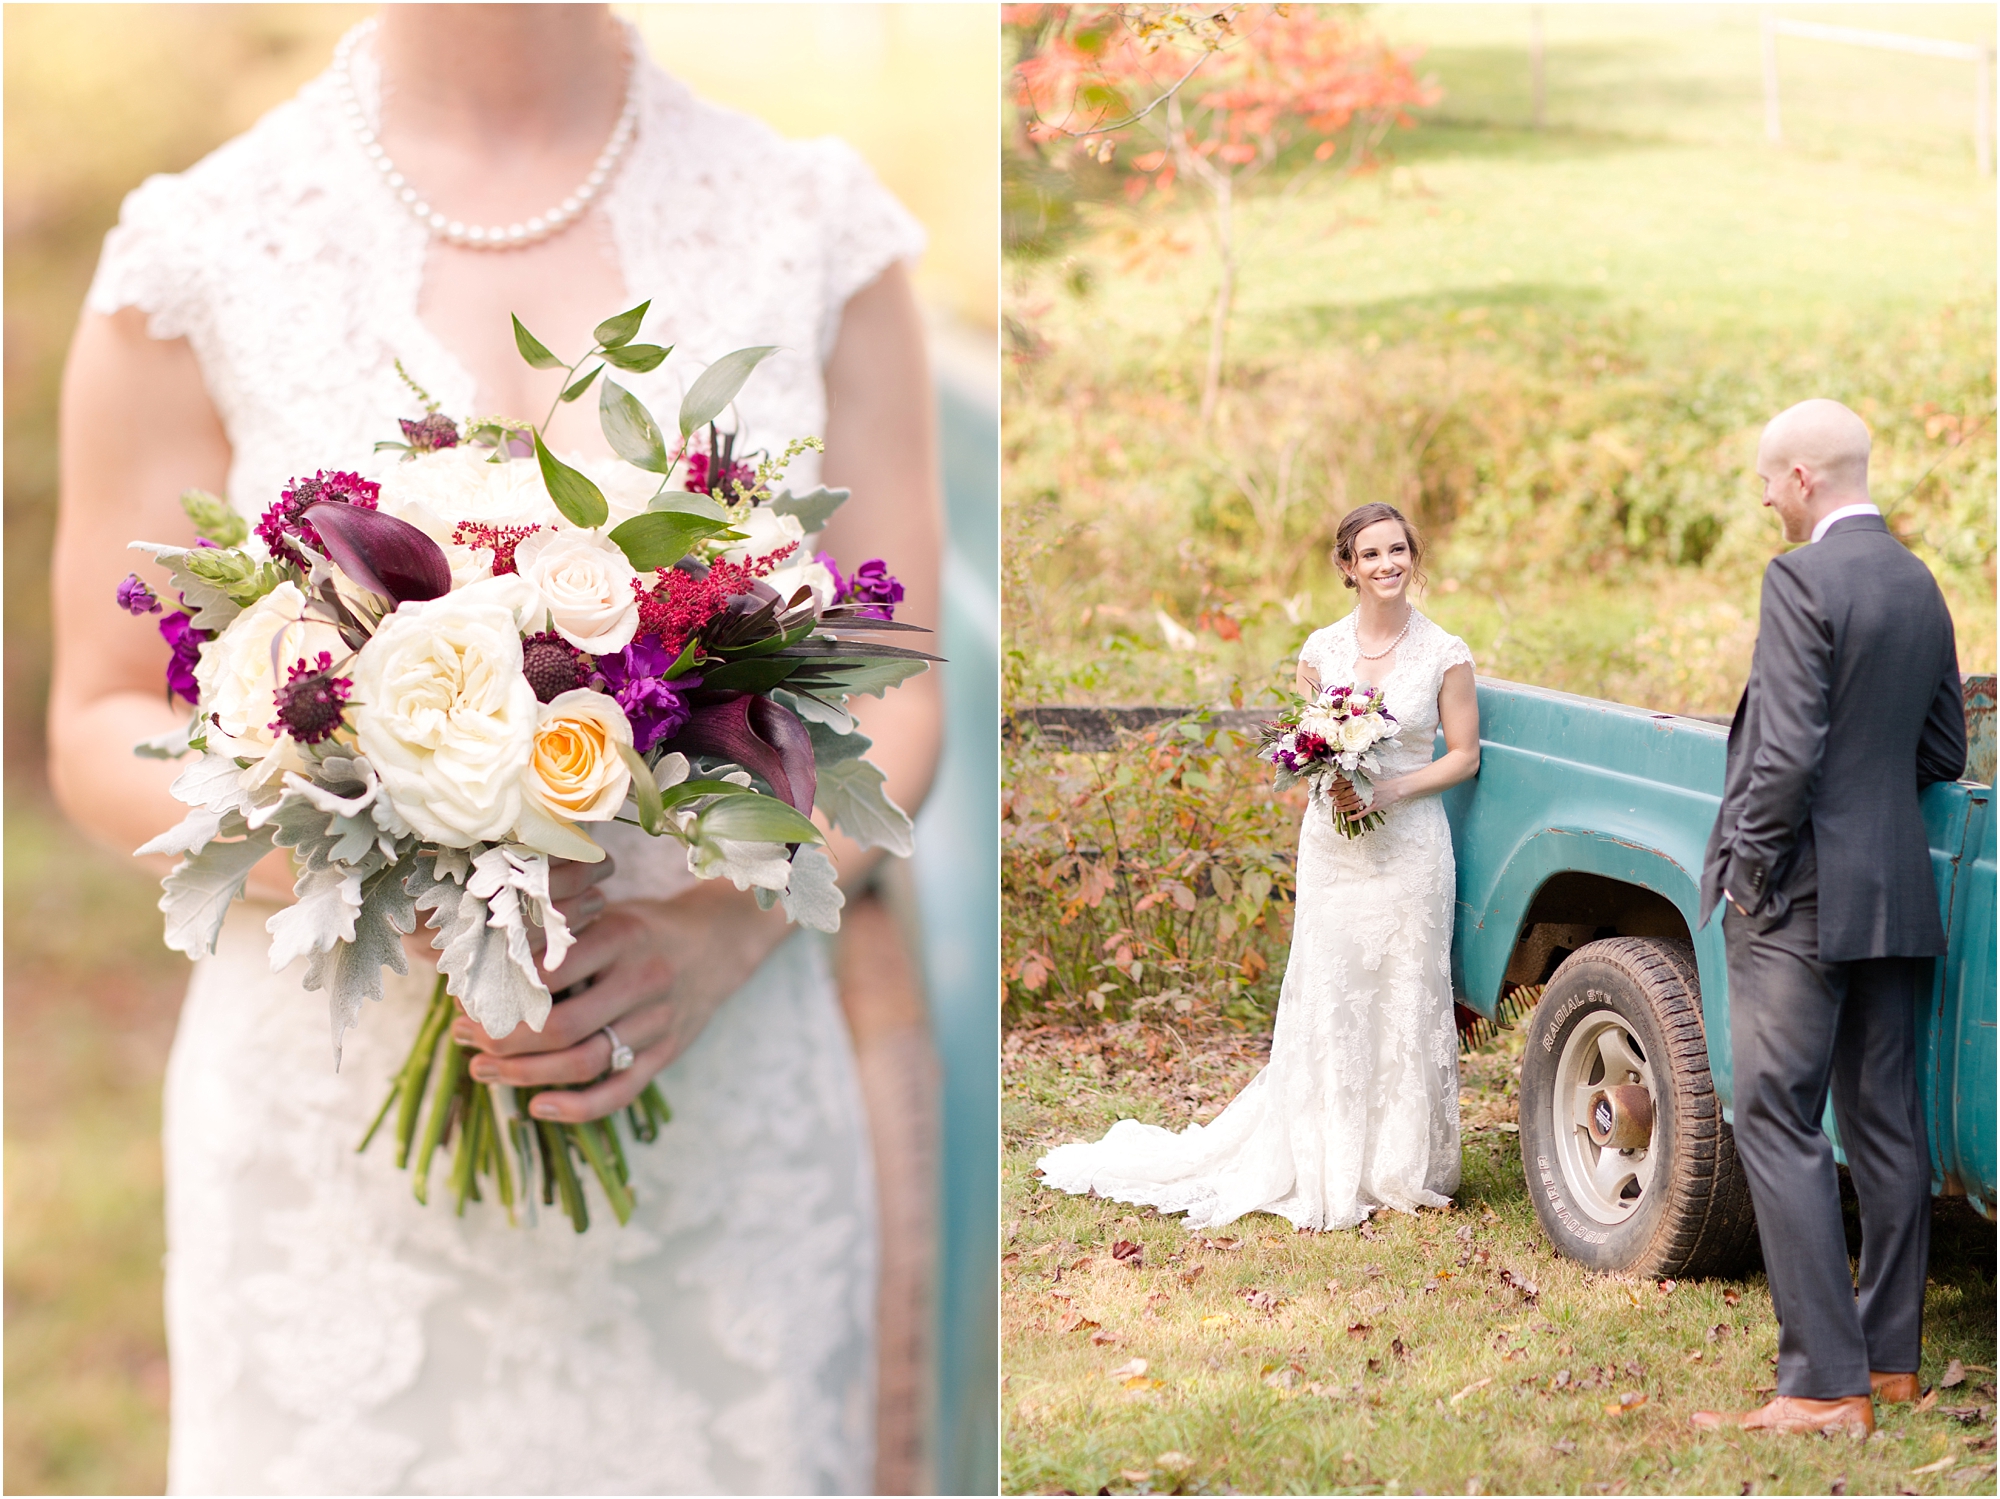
{"points": [[1326, 637], [1446, 648]]}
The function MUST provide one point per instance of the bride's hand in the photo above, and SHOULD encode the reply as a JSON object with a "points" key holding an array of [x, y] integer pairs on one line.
{"points": [[658, 971]]}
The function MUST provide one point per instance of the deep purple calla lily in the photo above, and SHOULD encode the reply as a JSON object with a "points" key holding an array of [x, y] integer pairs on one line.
{"points": [[758, 735], [384, 555]]}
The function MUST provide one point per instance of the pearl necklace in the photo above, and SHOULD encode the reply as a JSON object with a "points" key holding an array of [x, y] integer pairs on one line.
{"points": [[475, 236], [1409, 617]]}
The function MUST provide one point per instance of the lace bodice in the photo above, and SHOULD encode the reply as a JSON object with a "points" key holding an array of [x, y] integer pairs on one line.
{"points": [[1423, 658], [327, 1333], [295, 275]]}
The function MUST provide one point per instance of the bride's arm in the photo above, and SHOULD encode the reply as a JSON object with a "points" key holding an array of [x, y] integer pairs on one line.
{"points": [[1458, 716], [661, 969], [136, 428]]}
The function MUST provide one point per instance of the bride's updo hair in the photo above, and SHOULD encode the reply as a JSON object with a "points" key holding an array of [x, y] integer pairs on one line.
{"points": [[1360, 519]]}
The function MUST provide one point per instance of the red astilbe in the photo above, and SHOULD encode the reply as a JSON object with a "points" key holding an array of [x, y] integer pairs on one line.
{"points": [[676, 608], [499, 540]]}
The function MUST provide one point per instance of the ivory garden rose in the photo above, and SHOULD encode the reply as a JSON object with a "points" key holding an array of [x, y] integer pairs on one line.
{"points": [[585, 584], [445, 716], [234, 674]]}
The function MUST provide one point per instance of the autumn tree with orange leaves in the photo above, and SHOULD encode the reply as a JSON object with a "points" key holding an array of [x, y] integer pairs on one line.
{"points": [[1213, 95]]}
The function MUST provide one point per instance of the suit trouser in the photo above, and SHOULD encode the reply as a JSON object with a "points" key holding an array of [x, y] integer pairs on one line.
{"points": [[1798, 1027]]}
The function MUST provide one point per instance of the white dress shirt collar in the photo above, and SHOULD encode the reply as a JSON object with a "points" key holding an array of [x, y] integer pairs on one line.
{"points": [[1826, 521]]}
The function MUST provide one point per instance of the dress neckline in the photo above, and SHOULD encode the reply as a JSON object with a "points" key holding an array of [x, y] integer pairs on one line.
{"points": [[1352, 620]]}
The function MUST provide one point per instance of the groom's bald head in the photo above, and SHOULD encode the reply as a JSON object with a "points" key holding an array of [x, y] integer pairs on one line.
{"points": [[1813, 459]]}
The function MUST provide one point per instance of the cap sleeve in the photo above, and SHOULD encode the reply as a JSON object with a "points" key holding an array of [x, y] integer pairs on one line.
{"points": [[1456, 653], [150, 261], [866, 230]]}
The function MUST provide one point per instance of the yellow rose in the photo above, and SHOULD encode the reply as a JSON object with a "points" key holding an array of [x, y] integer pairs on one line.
{"points": [[575, 773]]}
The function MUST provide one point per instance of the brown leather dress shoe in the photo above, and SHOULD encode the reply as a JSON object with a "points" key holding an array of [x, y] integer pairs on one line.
{"points": [[1892, 1389], [1853, 1415]]}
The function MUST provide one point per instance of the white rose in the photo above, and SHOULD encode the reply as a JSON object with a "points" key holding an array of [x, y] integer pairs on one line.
{"points": [[436, 491], [585, 584], [765, 532], [444, 715], [1356, 734], [234, 672], [575, 773]]}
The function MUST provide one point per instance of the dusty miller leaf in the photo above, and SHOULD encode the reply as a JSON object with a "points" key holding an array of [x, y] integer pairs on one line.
{"points": [[196, 896], [851, 794], [813, 898], [352, 971], [813, 508]]}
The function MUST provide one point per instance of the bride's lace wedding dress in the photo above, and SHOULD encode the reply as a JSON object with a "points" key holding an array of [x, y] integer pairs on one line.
{"points": [[1358, 1107], [328, 1333]]}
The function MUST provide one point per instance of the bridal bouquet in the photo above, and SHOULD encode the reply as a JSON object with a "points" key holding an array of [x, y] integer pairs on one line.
{"points": [[426, 686], [1332, 737]]}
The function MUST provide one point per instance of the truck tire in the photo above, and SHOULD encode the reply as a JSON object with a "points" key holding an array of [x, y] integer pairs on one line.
{"points": [[1626, 1012]]}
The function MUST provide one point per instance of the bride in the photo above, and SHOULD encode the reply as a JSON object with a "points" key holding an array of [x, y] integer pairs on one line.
{"points": [[1358, 1107], [328, 1333]]}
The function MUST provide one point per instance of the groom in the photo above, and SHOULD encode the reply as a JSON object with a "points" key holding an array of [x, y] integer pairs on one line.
{"points": [[1831, 920]]}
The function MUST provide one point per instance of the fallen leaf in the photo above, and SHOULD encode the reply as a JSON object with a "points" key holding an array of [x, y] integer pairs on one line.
{"points": [[1631, 1400], [1930, 1399], [1730, 1298], [1667, 1287], [1373, 1272], [1360, 1330], [1477, 1384], [1965, 1414], [1262, 1301], [1128, 1370], [1077, 1322], [1979, 1444], [1173, 1462], [1215, 1321], [1560, 1382], [1128, 1254], [1135, 1475], [1838, 1485], [1406, 1354], [1694, 1358], [1563, 1448], [1333, 1288], [1937, 1467], [1009, 1258], [1954, 1375], [1464, 1233], [1193, 1273], [1101, 1337], [1370, 1231], [1374, 1366]]}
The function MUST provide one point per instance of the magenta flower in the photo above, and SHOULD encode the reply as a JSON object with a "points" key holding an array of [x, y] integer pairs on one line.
{"points": [[871, 589], [634, 677], [728, 479], [285, 522], [134, 597], [187, 642], [312, 702]]}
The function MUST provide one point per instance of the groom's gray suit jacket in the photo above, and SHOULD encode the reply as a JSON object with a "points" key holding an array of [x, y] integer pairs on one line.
{"points": [[1853, 705]]}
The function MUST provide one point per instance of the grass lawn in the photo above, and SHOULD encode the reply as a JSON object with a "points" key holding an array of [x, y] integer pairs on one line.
{"points": [[1555, 348], [91, 1001], [1449, 1352]]}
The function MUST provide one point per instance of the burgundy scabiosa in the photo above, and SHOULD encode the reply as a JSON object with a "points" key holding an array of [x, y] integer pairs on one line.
{"points": [[285, 523], [134, 597], [312, 702], [553, 666], [656, 708], [180, 634], [431, 434]]}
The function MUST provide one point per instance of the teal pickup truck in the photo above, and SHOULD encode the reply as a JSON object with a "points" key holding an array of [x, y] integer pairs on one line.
{"points": [[1579, 852]]}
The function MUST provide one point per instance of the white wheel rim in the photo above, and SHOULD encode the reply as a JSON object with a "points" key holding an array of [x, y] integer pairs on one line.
{"points": [[1608, 1185]]}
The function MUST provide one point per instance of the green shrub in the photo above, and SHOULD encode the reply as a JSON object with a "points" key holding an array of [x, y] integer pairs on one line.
{"points": [[1153, 878]]}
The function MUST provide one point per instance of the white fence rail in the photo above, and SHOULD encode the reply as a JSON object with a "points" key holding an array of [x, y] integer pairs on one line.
{"points": [[1980, 55]]}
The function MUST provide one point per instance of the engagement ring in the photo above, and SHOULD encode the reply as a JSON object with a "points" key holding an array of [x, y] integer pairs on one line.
{"points": [[621, 1054]]}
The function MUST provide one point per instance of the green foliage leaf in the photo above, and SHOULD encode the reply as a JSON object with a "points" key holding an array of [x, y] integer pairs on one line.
{"points": [[660, 538], [687, 502], [758, 674], [645, 790], [533, 350], [717, 386], [687, 791], [214, 519], [813, 508], [639, 358], [752, 818], [849, 677], [614, 332], [582, 385], [630, 429], [580, 501]]}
